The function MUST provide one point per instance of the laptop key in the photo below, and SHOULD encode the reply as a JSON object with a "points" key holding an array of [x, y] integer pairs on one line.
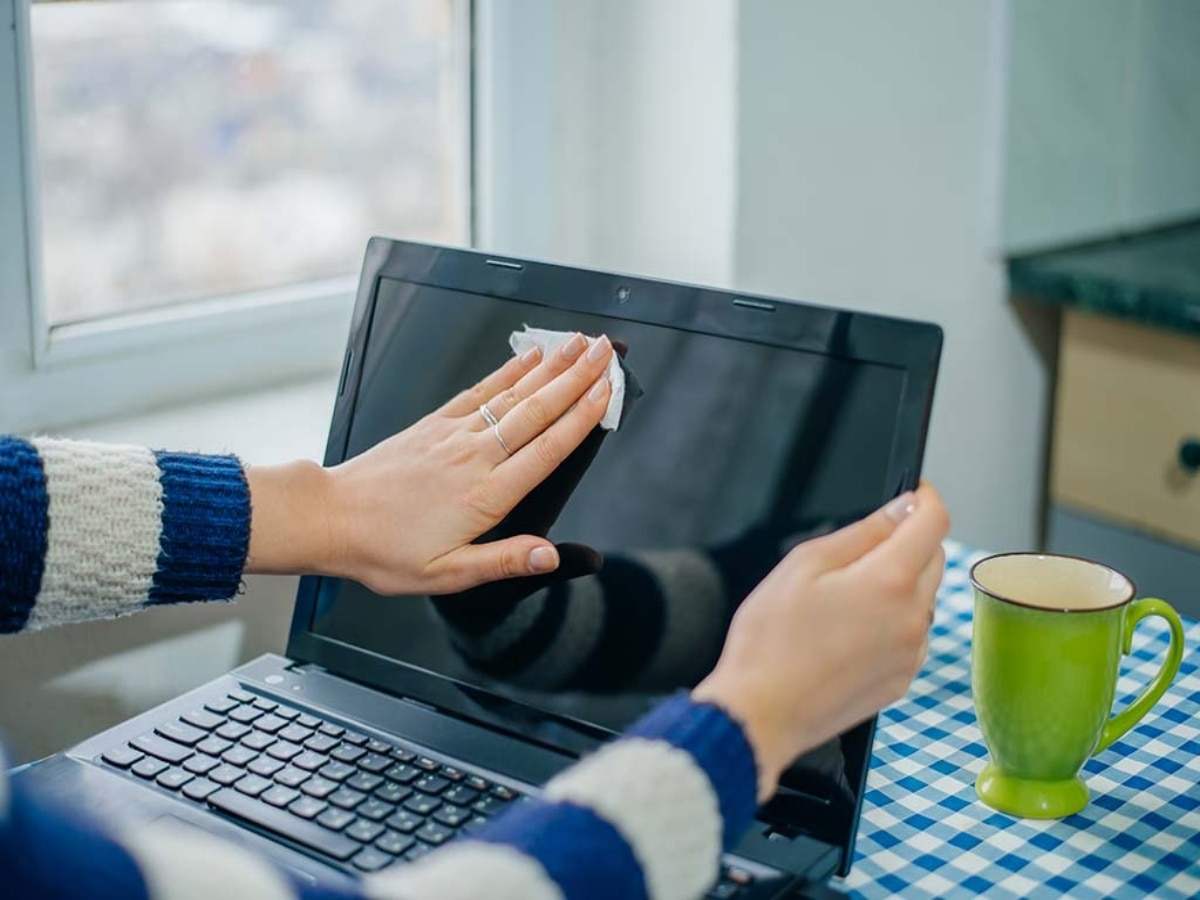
{"points": [[375, 809], [335, 819], [199, 789], [473, 825], [264, 704], [431, 784], [371, 860], [226, 775], [393, 843], [422, 804], [308, 807], [181, 733], [233, 731], [252, 785], [477, 783], [221, 705], [310, 761], [452, 773], [319, 787], [270, 723], [122, 757], [201, 764], [287, 713], [354, 737], [292, 777], [214, 746], [280, 796], [452, 816], [241, 696], [738, 876], [321, 743], [265, 766], [403, 754], [404, 821], [401, 773], [203, 719], [296, 733], [348, 753], [374, 763], [267, 817], [153, 745], [239, 756], [364, 831], [503, 793], [337, 771], [149, 768], [435, 834], [488, 806], [332, 730], [346, 798], [364, 781], [461, 795], [308, 721], [429, 765], [390, 792], [174, 779], [257, 741], [245, 714], [283, 750], [377, 746]]}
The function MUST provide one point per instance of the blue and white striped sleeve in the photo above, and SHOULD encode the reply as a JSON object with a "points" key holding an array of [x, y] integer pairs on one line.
{"points": [[91, 531]]}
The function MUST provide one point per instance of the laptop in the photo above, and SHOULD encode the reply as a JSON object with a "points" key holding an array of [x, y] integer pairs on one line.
{"points": [[393, 725]]}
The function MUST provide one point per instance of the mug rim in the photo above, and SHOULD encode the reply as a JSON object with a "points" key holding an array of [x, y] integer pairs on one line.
{"points": [[1054, 609]]}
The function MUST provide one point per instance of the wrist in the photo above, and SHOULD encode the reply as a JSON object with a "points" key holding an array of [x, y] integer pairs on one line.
{"points": [[765, 729], [292, 528]]}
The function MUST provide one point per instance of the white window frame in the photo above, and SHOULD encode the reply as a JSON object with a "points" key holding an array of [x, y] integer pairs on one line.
{"points": [[55, 376]]}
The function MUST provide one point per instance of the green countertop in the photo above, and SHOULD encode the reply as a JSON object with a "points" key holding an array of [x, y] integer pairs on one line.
{"points": [[1152, 278]]}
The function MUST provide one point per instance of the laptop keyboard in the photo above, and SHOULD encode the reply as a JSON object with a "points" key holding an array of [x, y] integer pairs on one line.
{"points": [[355, 800]]}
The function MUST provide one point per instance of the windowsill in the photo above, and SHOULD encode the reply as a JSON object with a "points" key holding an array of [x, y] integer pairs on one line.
{"points": [[269, 426]]}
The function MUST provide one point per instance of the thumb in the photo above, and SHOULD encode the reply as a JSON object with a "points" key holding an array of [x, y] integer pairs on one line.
{"points": [[475, 564], [844, 546]]}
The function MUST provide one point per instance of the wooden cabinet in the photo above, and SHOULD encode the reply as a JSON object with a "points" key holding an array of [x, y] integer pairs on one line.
{"points": [[1128, 402]]}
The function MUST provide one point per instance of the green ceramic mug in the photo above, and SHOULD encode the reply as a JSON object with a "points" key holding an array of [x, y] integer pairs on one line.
{"points": [[1049, 632]]}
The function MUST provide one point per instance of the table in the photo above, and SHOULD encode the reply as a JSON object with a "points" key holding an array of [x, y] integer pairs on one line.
{"points": [[924, 833]]}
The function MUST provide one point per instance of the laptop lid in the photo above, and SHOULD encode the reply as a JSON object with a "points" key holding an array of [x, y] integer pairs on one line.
{"points": [[763, 421]]}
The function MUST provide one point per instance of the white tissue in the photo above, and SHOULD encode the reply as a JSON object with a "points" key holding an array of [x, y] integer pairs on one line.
{"points": [[549, 341]]}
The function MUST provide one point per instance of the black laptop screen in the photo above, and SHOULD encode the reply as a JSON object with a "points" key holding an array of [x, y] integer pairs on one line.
{"points": [[735, 451]]}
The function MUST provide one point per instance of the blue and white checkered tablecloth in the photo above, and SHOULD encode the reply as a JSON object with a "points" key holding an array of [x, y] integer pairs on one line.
{"points": [[924, 833]]}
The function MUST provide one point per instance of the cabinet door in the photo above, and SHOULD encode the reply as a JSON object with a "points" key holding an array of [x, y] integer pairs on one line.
{"points": [[1128, 404]]}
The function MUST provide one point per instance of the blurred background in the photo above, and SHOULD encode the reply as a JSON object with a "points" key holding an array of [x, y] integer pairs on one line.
{"points": [[188, 186]]}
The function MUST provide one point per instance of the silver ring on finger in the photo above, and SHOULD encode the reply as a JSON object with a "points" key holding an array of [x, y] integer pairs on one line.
{"points": [[500, 439], [488, 416]]}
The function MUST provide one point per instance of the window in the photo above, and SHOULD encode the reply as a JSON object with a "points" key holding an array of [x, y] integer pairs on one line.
{"points": [[186, 181], [202, 148]]}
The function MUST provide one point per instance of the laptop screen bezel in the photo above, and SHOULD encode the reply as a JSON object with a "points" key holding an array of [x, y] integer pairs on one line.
{"points": [[913, 347]]}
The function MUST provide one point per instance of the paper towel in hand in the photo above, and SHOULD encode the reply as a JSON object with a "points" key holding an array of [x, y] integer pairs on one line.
{"points": [[550, 341]]}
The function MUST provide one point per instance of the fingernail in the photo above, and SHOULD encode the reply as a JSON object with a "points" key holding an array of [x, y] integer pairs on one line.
{"points": [[902, 507], [530, 355], [542, 559], [599, 389], [574, 346], [599, 349]]}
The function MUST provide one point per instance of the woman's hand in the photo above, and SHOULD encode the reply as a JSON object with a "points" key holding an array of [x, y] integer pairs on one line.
{"points": [[836, 632], [400, 518]]}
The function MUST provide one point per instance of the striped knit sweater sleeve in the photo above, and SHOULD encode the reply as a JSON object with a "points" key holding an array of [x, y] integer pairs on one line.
{"points": [[89, 531], [92, 531]]}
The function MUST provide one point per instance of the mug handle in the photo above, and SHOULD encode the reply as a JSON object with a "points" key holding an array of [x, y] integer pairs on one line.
{"points": [[1131, 715]]}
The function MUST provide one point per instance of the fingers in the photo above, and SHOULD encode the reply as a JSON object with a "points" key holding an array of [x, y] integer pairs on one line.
{"points": [[844, 546], [505, 377], [506, 400], [476, 564], [915, 541], [536, 413], [528, 467]]}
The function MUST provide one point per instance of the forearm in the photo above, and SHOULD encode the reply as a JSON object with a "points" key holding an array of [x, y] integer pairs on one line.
{"points": [[92, 531], [291, 528]]}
